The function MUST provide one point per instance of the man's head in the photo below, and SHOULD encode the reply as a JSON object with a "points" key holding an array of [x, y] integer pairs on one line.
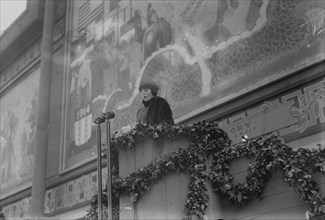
{"points": [[153, 16], [148, 89]]}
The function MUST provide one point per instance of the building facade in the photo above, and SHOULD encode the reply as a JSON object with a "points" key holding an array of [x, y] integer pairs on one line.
{"points": [[255, 66]]}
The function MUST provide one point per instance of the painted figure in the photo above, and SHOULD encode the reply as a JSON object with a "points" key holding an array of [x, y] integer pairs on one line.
{"points": [[156, 109], [8, 163], [138, 35], [83, 109], [2, 215], [157, 35]]}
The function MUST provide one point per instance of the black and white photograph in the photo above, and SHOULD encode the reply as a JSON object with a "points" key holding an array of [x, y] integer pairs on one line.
{"points": [[162, 109]]}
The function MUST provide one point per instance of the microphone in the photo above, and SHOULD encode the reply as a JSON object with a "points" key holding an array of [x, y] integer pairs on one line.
{"points": [[108, 115], [99, 120]]}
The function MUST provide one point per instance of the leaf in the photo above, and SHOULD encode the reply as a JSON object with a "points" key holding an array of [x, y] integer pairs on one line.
{"points": [[240, 197], [323, 208], [155, 135], [307, 215], [227, 186], [134, 198]]}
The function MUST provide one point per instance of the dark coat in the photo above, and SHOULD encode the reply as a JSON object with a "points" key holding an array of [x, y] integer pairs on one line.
{"points": [[158, 111]]}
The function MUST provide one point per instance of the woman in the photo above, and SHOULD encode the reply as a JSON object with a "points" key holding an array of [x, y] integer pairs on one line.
{"points": [[156, 109]]}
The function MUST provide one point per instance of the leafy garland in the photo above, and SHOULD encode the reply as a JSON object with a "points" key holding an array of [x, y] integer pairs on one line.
{"points": [[267, 152], [270, 155]]}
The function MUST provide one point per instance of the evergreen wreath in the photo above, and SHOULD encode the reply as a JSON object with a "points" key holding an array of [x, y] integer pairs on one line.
{"points": [[267, 154], [259, 171]]}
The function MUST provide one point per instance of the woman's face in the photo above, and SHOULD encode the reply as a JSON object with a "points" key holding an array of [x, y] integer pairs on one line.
{"points": [[146, 94]]}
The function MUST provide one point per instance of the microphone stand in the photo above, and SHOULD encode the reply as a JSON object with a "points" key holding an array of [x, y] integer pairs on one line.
{"points": [[107, 116], [98, 121]]}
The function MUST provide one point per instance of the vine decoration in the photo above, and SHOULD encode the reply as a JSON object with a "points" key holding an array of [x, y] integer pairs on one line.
{"points": [[267, 154]]}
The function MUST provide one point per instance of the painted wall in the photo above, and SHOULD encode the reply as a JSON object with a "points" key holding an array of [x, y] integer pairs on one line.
{"points": [[18, 128], [201, 53], [294, 114], [19, 86]]}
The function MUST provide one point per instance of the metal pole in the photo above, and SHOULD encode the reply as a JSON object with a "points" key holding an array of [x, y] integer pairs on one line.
{"points": [[99, 173], [109, 171], [108, 116]]}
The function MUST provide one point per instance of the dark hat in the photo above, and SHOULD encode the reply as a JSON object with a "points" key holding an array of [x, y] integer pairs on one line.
{"points": [[148, 85]]}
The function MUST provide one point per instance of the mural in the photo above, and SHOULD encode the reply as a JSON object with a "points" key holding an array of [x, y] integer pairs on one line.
{"points": [[299, 113], [18, 128], [198, 51]]}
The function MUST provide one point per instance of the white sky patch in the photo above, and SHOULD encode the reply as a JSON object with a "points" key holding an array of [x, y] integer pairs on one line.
{"points": [[9, 11]]}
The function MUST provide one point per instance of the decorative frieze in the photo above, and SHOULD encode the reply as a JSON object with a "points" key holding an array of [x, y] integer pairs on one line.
{"points": [[72, 193], [60, 7], [18, 210], [59, 198], [59, 29], [15, 68]]}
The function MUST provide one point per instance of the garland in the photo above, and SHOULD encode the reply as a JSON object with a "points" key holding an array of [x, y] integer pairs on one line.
{"points": [[267, 152]]}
